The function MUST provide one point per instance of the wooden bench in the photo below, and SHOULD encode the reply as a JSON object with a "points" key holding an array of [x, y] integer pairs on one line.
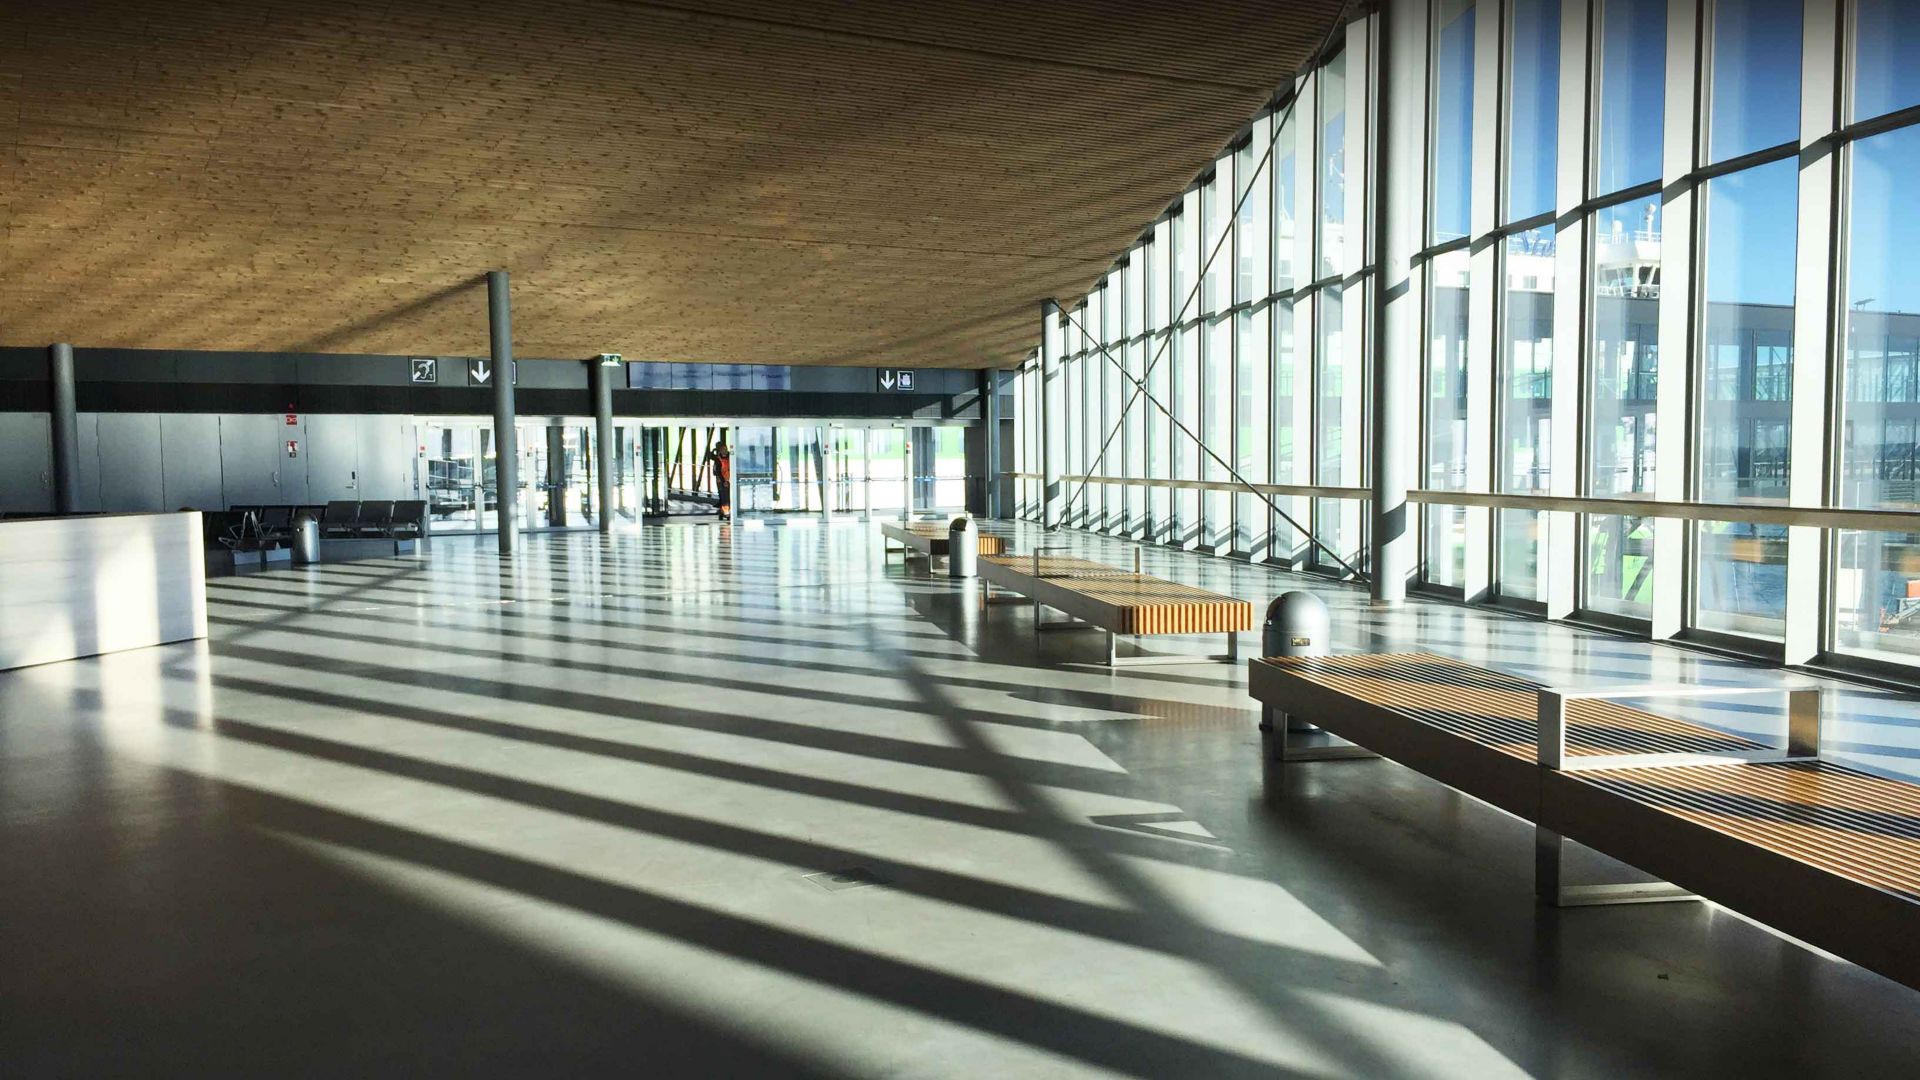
{"points": [[1824, 852], [929, 538], [1121, 602]]}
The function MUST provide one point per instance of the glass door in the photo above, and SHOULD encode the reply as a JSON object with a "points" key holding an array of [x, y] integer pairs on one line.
{"points": [[451, 454], [845, 471]]}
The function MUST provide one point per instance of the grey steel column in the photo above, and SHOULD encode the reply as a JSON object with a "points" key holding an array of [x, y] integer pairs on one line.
{"points": [[990, 389], [601, 378], [733, 474], [906, 474], [557, 476], [1394, 344], [66, 430], [866, 474], [506, 449], [1052, 418]]}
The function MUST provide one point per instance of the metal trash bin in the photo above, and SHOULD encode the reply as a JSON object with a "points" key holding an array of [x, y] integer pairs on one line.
{"points": [[1297, 625], [306, 539], [963, 548]]}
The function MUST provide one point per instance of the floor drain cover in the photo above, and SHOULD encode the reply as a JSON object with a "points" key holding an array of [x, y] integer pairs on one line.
{"points": [[850, 878]]}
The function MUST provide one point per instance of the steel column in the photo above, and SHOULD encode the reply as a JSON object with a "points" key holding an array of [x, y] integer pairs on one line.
{"points": [[506, 449], [990, 394], [866, 474], [1396, 344], [556, 479], [66, 430], [601, 377], [733, 474], [1053, 423]]}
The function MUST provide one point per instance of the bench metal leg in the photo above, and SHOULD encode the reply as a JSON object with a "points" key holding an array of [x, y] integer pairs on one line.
{"points": [[1550, 886], [1115, 660], [1042, 624], [988, 596], [1290, 745]]}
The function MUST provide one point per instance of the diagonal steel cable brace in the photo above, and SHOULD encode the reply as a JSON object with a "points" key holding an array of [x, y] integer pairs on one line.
{"points": [[1217, 459], [1139, 384]]}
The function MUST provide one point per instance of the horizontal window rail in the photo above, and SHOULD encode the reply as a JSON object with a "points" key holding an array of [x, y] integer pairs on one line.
{"points": [[1315, 491], [1900, 521]]}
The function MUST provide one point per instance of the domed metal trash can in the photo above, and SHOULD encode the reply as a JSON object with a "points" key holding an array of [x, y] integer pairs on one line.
{"points": [[1298, 624], [963, 548]]}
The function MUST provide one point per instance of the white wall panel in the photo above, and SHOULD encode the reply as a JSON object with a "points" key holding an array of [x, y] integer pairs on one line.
{"points": [[128, 460], [26, 463], [190, 461]]}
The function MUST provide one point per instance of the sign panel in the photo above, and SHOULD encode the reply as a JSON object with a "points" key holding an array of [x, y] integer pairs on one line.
{"points": [[480, 372], [424, 369], [896, 379]]}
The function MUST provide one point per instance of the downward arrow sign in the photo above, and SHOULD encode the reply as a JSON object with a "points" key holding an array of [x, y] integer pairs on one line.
{"points": [[886, 379], [481, 371]]}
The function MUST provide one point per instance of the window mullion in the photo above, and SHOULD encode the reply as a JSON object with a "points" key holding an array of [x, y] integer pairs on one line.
{"points": [[1679, 250], [1816, 396]]}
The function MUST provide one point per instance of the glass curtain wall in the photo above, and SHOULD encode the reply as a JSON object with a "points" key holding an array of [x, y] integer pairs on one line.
{"points": [[1876, 580], [1201, 312], [1448, 284], [1523, 383], [1624, 298], [1639, 299]]}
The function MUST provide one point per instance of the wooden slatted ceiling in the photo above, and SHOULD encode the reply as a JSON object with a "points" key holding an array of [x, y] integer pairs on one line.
{"points": [[703, 180]]}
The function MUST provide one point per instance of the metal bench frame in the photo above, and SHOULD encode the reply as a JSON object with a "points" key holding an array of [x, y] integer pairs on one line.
{"points": [[1502, 779], [1843, 914], [909, 541], [1549, 850], [1041, 624]]}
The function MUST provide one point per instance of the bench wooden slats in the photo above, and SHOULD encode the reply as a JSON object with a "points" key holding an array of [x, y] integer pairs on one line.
{"points": [[1119, 600], [1847, 890], [1057, 566], [1860, 826], [930, 538], [1825, 852], [1499, 711]]}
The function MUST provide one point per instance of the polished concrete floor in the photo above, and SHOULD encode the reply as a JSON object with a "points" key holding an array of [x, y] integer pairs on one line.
{"points": [[759, 802]]}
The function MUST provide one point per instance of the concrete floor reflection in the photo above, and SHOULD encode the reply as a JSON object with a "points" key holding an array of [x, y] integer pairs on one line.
{"points": [[754, 801]]}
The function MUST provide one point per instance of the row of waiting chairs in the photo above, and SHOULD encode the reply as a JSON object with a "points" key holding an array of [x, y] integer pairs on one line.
{"points": [[401, 520], [255, 528]]}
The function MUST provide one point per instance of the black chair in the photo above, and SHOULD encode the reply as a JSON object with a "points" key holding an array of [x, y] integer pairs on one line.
{"points": [[276, 522], [213, 526], [409, 520], [376, 518], [340, 518], [243, 532]]}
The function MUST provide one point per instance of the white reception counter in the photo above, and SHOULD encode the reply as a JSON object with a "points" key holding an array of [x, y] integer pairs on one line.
{"points": [[80, 586]]}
